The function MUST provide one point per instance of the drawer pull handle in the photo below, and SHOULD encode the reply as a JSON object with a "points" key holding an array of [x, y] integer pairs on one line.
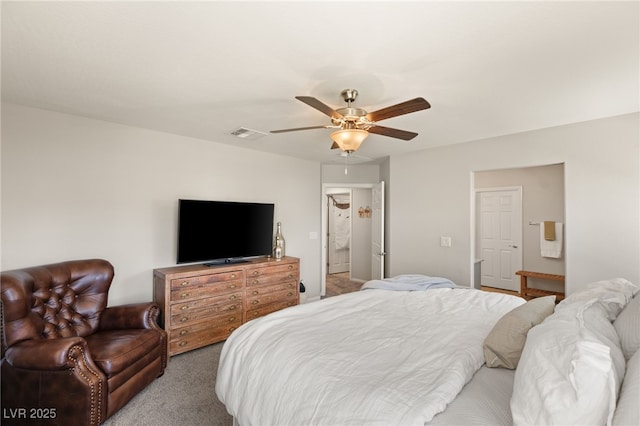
{"points": [[290, 275], [184, 342], [183, 332], [232, 297], [231, 286], [255, 302], [232, 307], [289, 294], [232, 319], [183, 319], [290, 285], [183, 295], [184, 283], [255, 292], [255, 282], [290, 266], [255, 272], [233, 275], [231, 329], [182, 308]]}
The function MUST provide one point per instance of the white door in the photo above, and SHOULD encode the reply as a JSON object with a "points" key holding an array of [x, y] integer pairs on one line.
{"points": [[339, 238], [500, 232], [377, 231]]}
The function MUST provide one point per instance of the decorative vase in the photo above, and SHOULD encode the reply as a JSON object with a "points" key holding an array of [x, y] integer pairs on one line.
{"points": [[278, 243]]}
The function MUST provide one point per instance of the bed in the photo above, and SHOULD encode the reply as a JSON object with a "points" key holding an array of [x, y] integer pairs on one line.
{"points": [[420, 350]]}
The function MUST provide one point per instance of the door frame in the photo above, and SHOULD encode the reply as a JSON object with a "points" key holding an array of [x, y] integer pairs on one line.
{"points": [[324, 228], [475, 256]]}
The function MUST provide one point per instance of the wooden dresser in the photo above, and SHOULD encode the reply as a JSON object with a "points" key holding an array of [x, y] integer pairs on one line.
{"points": [[201, 304]]}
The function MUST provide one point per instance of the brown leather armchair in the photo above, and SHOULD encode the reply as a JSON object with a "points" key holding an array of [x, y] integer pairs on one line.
{"points": [[67, 358]]}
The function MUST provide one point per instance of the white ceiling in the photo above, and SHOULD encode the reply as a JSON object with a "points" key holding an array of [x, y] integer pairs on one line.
{"points": [[205, 69]]}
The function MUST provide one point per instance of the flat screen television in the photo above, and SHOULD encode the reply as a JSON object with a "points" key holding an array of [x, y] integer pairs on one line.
{"points": [[219, 232]]}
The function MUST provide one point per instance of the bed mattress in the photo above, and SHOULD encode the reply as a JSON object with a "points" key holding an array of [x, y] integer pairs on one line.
{"points": [[370, 357], [483, 401]]}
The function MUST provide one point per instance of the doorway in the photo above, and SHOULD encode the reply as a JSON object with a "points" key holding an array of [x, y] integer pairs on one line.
{"points": [[542, 199], [348, 237]]}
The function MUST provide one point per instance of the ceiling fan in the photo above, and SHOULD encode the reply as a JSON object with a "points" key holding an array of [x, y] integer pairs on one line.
{"points": [[354, 124]]}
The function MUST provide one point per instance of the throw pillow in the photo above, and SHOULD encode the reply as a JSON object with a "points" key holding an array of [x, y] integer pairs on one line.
{"points": [[628, 327], [503, 346], [628, 410]]}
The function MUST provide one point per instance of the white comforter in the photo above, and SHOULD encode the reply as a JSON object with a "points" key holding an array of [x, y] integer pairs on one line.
{"points": [[370, 357]]}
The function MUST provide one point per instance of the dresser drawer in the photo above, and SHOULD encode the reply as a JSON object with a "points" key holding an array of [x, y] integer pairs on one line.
{"points": [[271, 297], [264, 310], [271, 269], [258, 290], [185, 313], [204, 290], [222, 322], [201, 334], [198, 280]]}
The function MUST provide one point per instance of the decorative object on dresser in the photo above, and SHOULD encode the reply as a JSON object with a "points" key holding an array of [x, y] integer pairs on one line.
{"points": [[201, 305], [278, 243], [67, 358]]}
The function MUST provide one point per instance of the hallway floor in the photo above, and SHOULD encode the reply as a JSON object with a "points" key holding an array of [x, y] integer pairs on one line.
{"points": [[340, 284]]}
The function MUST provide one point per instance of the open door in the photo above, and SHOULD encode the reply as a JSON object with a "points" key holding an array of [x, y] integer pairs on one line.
{"points": [[377, 231]]}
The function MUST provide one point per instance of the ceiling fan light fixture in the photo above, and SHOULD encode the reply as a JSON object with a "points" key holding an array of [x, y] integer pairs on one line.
{"points": [[349, 140]]}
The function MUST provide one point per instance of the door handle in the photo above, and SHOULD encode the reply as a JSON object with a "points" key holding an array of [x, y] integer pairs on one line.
{"points": [[512, 246], [383, 253]]}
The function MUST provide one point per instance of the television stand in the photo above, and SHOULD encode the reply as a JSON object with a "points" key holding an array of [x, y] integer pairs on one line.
{"points": [[201, 305]]}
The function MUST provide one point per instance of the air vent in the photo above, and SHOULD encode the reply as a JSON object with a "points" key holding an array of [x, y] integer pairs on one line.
{"points": [[248, 134]]}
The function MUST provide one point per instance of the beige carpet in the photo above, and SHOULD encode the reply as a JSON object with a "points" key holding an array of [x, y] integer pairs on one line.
{"points": [[184, 395]]}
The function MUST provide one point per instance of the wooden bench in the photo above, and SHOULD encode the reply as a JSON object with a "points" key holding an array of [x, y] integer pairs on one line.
{"points": [[529, 293]]}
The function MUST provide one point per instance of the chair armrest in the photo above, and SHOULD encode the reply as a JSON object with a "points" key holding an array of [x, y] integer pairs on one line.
{"points": [[46, 354], [138, 315]]}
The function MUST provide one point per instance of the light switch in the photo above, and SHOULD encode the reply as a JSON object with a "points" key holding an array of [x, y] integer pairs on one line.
{"points": [[445, 241]]}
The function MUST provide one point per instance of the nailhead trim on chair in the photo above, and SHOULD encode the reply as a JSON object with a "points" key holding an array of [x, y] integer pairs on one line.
{"points": [[96, 411]]}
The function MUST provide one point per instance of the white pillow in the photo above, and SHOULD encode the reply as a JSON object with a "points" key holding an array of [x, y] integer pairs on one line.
{"points": [[628, 408], [612, 294], [570, 369], [628, 327]]}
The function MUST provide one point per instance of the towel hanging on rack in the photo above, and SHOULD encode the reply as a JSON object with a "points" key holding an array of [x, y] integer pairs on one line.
{"points": [[549, 230], [553, 248]]}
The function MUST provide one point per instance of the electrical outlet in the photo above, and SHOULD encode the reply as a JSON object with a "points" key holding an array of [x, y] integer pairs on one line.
{"points": [[445, 241]]}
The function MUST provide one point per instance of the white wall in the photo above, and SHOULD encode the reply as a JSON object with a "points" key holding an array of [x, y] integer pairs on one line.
{"points": [[432, 196], [75, 188], [361, 232]]}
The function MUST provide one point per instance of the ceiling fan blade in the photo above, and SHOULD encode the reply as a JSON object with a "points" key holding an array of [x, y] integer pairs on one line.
{"points": [[298, 128], [407, 107], [323, 108], [394, 133]]}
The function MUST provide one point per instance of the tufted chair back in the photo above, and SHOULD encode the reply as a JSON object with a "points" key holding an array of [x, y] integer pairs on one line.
{"points": [[68, 353], [53, 301]]}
